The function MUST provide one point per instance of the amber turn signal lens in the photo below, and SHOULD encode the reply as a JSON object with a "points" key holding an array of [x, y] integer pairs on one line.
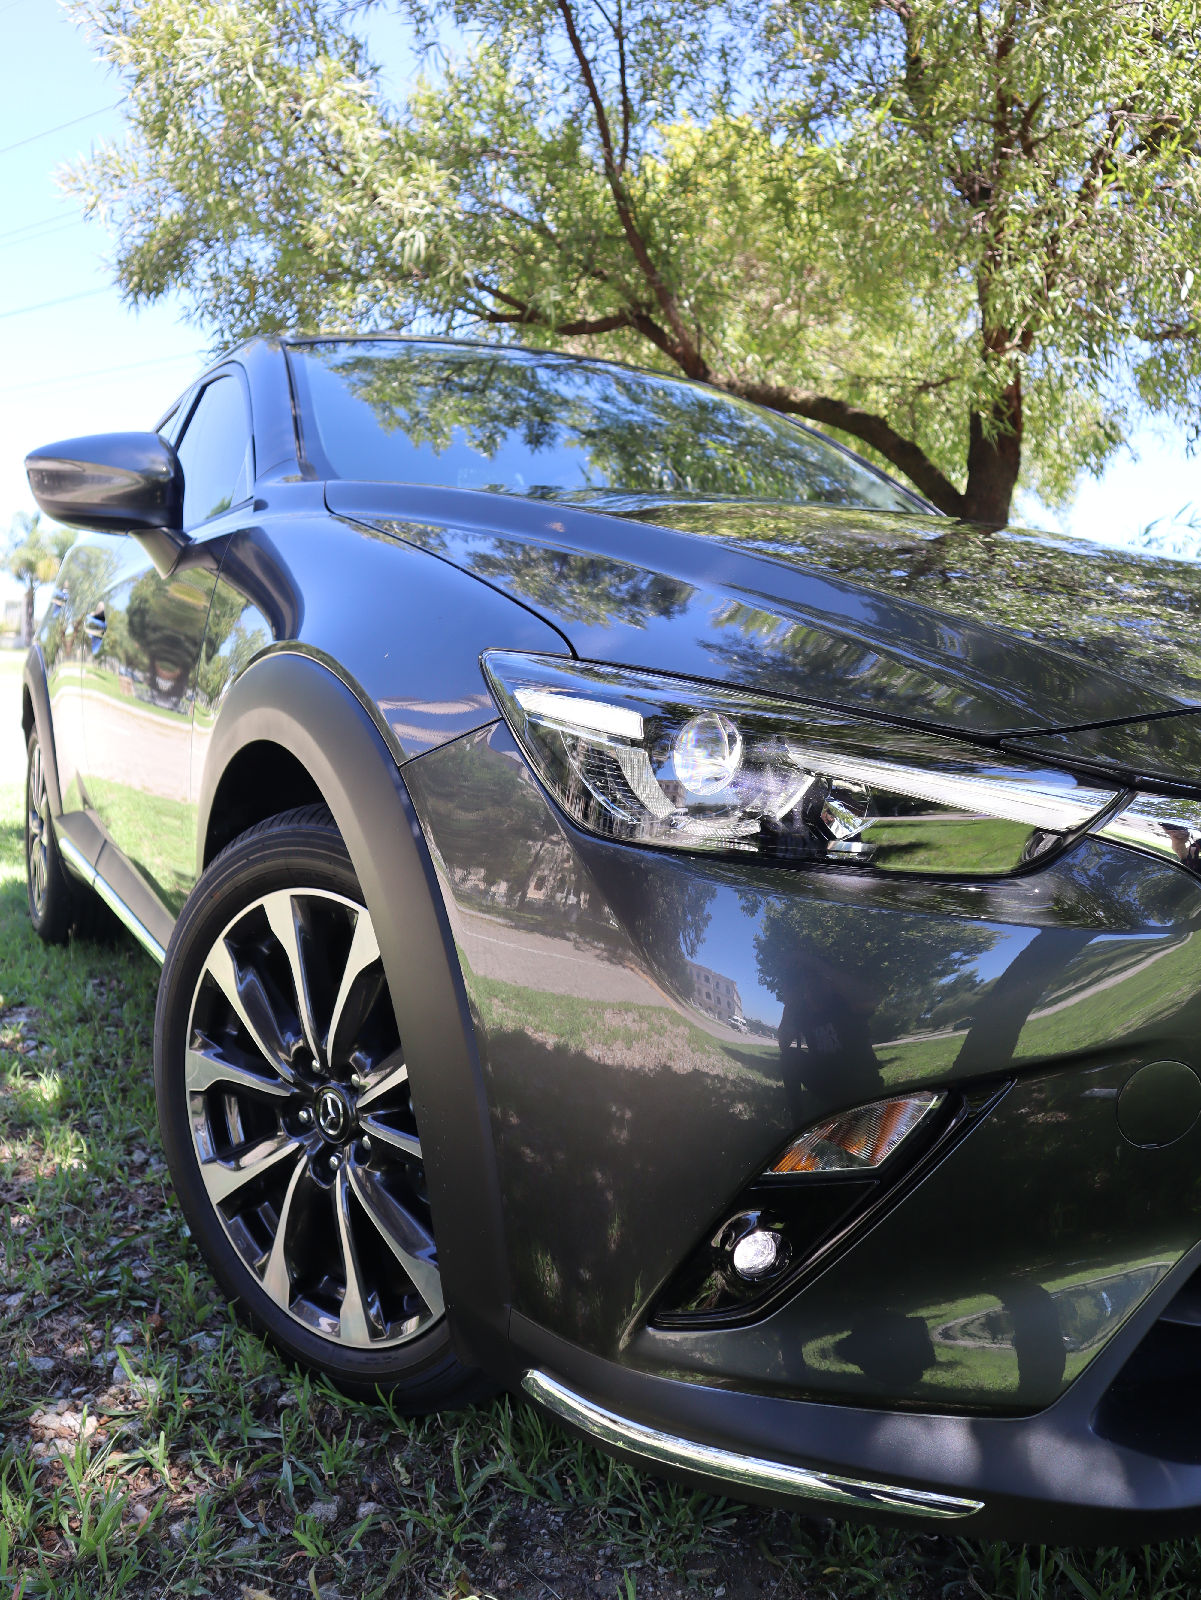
{"points": [[858, 1139]]}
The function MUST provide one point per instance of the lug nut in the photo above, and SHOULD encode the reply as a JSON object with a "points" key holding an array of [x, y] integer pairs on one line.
{"points": [[335, 1161], [365, 1143], [306, 1116]]}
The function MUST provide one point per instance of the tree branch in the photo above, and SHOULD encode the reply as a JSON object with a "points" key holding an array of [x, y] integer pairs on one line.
{"points": [[525, 316], [903, 454], [685, 354]]}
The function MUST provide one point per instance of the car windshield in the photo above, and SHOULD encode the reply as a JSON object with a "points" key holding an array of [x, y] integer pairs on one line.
{"points": [[526, 422]]}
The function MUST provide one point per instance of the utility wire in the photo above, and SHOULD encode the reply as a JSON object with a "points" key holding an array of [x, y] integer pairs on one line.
{"points": [[35, 238], [47, 305], [101, 372], [28, 227], [46, 132]]}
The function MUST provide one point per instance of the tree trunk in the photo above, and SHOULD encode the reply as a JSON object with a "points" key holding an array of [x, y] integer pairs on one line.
{"points": [[993, 464], [27, 630]]}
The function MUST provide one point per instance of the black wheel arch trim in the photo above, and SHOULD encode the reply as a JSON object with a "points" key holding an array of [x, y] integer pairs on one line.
{"points": [[33, 677], [287, 697]]}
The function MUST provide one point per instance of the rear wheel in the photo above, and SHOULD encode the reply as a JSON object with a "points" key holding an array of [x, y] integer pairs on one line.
{"points": [[288, 1121], [51, 903]]}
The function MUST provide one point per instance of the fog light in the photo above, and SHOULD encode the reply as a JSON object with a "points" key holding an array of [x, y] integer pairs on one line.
{"points": [[858, 1139], [756, 1254]]}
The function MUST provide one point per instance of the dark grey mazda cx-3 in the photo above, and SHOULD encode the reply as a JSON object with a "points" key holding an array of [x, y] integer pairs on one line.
{"points": [[651, 916]]}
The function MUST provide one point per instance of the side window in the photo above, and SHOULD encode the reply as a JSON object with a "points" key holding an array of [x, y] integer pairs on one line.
{"points": [[172, 424], [216, 453]]}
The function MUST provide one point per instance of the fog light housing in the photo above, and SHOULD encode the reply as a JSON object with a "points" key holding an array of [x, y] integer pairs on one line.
{"points": [[860, 1139]]}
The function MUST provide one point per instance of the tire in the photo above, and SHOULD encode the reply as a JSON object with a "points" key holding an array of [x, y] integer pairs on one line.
{"points": [[48, 889], [287, 1121]]}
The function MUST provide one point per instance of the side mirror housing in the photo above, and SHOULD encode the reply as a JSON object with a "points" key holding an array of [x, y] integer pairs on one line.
{"points": [[110, 482]]}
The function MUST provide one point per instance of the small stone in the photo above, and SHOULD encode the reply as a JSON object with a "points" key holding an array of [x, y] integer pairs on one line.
{"points": [[42, 1363], [368, 1508], [178, 1531], [13, 1302], [204, 1341], [123, 1335], [329, 1591], [139, 1513], [325, 1510]]}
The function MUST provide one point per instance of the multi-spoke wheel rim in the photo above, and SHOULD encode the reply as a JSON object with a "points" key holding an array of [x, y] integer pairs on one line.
{"points": [[302, 1120], [37, 821]]}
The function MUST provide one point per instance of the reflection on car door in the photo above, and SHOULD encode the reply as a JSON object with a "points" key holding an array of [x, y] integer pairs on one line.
{"points": [[138, 678], [85, 573]]}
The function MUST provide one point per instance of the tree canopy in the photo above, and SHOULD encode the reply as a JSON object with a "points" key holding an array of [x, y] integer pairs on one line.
{"points": [[963, 235]]}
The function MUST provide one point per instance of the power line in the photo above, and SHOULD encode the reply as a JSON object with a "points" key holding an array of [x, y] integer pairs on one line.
{"points": [[100, 372], [27, 227], [46, 233], [47, 305], [46, 132]]}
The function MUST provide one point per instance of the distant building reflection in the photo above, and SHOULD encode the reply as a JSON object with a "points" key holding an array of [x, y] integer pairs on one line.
{"points": [[715, 994]]}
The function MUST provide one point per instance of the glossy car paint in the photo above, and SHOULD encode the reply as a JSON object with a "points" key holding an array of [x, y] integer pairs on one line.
{"points": [[606, 1079], [586, 1119]]}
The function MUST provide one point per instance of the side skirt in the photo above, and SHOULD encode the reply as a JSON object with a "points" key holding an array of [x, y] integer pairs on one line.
{"points": [[82, 868]]}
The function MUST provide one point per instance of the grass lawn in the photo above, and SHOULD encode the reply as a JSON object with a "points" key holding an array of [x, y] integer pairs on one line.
{"points": [[149, 1447]]}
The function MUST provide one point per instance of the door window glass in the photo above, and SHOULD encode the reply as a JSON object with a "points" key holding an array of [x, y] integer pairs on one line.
{"points": [[216, 453]]}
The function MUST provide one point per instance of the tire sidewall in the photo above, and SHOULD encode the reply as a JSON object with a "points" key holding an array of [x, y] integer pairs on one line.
{"points": [[267, 859], [52, 923]]}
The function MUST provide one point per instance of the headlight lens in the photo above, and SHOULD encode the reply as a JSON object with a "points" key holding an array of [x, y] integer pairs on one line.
{"points": [[665, 761]]}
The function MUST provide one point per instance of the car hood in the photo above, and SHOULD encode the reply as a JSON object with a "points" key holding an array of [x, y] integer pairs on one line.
{"points": [[1054, 645]]}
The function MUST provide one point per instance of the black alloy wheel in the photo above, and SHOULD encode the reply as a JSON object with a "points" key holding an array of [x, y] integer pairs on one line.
{"points": [[287, 1115], [51, 902]]}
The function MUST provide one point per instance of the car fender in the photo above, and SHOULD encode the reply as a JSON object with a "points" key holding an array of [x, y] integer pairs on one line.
{"points": [[34, 679], [289, 698]]}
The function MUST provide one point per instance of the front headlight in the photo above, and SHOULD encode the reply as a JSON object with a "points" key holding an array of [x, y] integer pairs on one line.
{"points": [[665, 761]]}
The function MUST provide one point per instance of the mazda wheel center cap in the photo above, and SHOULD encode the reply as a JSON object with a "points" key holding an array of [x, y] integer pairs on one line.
{"points": [[333, 1115]]}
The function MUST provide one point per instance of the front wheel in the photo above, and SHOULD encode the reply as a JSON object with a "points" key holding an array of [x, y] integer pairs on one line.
{"points": [[287, 1118], [48, 890]]}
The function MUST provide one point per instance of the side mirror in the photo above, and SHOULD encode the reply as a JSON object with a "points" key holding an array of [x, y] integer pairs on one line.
{"points": [[110, 482]]}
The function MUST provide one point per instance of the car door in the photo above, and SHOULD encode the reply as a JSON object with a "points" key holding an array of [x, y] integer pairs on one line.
{"points": [[139, 673], [84, 575]]}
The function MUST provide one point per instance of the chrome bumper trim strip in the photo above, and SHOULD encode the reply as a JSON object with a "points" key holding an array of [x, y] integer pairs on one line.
{"points": [[734, 1469], [83, 868]]}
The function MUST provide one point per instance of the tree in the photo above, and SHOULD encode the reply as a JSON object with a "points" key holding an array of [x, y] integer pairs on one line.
{"points": [[961, 235], [34, 555]]}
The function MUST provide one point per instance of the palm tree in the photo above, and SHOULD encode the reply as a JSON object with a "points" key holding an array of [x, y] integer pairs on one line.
{"points": [[33, 556]]}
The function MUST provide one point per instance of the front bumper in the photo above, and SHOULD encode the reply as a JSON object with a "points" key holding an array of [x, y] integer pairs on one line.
{"points": [[959, 1345]]}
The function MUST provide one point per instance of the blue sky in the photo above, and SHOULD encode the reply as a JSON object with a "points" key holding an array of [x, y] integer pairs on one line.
{"points": [[74, 359]]}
